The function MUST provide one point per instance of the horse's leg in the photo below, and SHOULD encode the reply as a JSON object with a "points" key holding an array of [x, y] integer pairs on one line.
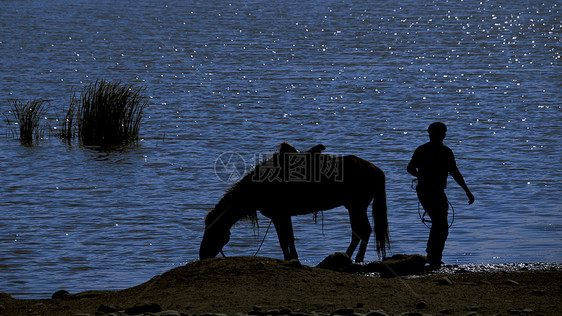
{"points": [[284, 229], [360, 232]]}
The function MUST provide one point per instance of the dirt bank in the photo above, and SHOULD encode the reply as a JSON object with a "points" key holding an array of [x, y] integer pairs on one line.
{"points": [[257, 285]]}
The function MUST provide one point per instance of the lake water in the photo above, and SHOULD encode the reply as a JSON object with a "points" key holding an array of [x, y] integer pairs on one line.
{"points": [[360, 77]]}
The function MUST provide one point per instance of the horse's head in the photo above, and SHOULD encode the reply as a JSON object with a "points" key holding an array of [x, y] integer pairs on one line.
{"points": [[215, 237]]}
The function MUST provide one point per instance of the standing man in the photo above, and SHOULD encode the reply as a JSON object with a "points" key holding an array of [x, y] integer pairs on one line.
{"points": [[431, 164]]}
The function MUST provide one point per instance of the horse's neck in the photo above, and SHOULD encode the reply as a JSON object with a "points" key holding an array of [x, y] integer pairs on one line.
{"points": [[233, 207]]}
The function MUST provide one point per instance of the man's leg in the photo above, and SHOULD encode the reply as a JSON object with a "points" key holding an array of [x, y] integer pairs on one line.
{"points": [[436, 206]]}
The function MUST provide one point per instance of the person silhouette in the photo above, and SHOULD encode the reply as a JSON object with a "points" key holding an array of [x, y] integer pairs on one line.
{"points": [[431, 164]]}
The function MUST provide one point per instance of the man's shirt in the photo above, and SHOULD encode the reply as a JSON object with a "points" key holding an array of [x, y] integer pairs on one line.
{"points": [[433, 162]]}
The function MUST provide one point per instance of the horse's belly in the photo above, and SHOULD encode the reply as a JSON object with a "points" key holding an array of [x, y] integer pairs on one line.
{"points": [[301, 203]]}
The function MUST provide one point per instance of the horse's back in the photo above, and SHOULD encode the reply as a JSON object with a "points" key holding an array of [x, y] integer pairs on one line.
{"points": [[359, 167]]}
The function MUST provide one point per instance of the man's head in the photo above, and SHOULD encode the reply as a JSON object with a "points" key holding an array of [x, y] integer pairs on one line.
{"points": [[437, 132]]}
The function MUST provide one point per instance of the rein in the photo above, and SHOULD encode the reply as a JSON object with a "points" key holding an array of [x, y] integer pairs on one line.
{"points": [[269, 226], [261, 244], [316, 220]]}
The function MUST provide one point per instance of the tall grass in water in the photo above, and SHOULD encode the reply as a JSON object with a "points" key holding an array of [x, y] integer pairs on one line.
{"points": [[28, 117], [66, 126], [109, 114]]}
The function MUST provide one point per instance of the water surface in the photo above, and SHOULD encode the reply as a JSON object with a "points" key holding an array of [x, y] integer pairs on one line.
{"points": [[360, 77]]}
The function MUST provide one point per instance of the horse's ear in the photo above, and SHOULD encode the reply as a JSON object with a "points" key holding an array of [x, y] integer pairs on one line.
{"points": [[287, 148], [317, 149]]}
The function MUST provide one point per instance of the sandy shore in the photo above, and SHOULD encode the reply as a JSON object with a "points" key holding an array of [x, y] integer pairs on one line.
{"points": [[260, 286]]}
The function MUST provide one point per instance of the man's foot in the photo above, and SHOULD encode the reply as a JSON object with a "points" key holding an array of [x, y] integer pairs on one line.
{"points": [[434, 266]]}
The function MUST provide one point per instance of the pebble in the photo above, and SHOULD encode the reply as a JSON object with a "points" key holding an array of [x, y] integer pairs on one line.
{"points": [[538, 292], [445, 281], [168, 313], [524, 311], [511, 283], [60, 294], [343, 311], [421, 305], [377, 313], [143, 308], [256, 312], [107, 309]]}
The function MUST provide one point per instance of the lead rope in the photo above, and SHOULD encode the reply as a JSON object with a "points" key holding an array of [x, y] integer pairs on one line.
{"points": [[424, 221], [422, 217], [263, 240]]}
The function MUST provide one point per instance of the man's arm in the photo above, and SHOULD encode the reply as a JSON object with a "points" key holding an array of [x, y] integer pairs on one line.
{"points": [[455, 173], [411, 169]]}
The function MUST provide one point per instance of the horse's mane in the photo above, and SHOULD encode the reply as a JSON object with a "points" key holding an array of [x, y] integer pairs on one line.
{"points": [[234, 194]]}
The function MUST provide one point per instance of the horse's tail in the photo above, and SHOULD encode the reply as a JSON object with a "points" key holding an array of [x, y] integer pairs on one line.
{"points": [[379, 216]]}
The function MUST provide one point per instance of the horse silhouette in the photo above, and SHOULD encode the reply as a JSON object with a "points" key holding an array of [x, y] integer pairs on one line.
{"points": [[292, 183]]}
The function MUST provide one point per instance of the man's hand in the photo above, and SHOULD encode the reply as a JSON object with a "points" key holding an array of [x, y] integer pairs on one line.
{"points": [[470, 197]]}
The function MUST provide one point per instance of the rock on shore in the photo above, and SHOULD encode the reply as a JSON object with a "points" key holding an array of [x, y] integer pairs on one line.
{"points": [[397, 265]]}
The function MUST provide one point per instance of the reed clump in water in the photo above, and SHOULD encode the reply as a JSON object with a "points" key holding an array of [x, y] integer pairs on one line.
{"points": [[108, 114], [28, 116]]}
